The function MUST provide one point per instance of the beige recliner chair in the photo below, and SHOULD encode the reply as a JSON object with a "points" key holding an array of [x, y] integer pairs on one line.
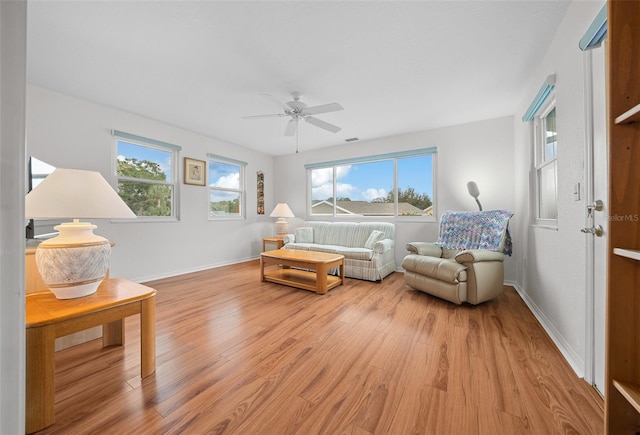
{"points": [[466, 263]]}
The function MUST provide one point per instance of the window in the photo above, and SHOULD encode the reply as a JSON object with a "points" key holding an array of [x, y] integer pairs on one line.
{"points": [[226, 187], [546, 143], [146, 175], [398, 184]]}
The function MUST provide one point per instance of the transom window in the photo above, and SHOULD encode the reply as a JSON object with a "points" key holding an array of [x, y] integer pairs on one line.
{"points": [[226, 188], [399, 184], [146, 175]]}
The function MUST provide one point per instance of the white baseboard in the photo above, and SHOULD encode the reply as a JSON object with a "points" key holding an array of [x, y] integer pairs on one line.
{"points": [[574, 360], [142, 279]]}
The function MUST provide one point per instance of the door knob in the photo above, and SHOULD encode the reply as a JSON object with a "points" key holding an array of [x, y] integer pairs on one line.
{"points": [[597, 230], [598, 205]]}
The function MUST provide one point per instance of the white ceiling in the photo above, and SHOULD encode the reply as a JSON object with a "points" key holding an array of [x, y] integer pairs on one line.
{"points": [[395, 66]]}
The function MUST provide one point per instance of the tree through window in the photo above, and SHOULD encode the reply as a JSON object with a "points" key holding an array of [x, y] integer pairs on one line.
{"points": [[146, 178]]}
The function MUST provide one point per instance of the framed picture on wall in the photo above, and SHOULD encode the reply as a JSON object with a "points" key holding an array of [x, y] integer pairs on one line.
{"points": [[194, 172]]}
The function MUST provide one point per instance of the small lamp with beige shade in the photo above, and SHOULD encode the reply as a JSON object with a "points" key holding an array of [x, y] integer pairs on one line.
{"points": [[282, 211], [74, 263]]}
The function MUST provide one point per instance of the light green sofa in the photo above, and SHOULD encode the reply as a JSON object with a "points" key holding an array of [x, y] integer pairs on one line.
{"points": [[368, 247]]}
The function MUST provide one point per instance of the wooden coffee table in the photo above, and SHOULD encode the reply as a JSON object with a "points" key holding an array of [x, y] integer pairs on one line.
{"points": [[315, 279]]}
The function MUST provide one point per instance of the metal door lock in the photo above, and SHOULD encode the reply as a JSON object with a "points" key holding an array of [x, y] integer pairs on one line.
{"points": [[598, 205], [597, 230]]}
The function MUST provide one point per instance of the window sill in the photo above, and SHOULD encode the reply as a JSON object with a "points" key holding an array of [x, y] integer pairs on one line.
{"points": [[350, 217], [226, 218], [552, 227], [145, 219]]}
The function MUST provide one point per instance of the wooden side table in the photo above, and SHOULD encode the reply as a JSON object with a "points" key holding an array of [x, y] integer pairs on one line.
{"points": [[48, 318], [275, 240]]}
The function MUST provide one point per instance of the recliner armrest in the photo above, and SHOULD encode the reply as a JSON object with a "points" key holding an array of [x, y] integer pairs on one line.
{"points": [[478, 255], [425, 248]]}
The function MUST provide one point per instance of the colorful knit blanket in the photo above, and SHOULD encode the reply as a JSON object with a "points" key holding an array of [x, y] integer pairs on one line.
{"points": [[476, 230]]}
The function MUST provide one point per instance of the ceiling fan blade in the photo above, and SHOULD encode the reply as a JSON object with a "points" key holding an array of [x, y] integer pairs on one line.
{"points": [[273, 115], [322, 124], [276, 101], [291, 127], [324, 108]]}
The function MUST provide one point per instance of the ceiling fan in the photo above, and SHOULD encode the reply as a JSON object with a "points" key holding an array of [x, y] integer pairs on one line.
{"points": [[298, 110]]}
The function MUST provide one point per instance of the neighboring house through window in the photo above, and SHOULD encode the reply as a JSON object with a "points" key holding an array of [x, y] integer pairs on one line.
{"points": [[146, 171], [226, 187], [397, 184]]}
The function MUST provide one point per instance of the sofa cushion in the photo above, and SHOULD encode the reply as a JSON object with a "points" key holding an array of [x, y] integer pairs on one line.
{"points": [[304, 235], [373, 238], [350, 253], [355, 253]]}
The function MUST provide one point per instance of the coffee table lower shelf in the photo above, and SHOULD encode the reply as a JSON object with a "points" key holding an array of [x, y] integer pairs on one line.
{"points": [[307, 270], [302, 279]]}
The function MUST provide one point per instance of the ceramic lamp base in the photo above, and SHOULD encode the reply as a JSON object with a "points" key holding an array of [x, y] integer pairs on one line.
{"points": [[74, 263], [282, 227]]}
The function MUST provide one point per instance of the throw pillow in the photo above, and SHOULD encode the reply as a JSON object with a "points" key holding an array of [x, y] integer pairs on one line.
{"points": [[373, 238], [304, 235]]}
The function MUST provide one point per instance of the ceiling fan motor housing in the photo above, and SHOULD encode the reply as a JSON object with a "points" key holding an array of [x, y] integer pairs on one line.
{"points": [[298, 110]]}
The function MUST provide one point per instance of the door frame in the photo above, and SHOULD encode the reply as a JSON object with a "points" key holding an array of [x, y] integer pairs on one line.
{"points": [[592, 305], [589, 360]]}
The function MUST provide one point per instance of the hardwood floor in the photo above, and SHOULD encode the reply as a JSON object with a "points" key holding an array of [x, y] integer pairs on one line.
{"points": [[238, 356]]}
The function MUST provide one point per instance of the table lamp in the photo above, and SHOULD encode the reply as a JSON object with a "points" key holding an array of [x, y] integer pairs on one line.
{"points": [[74, 263], [282, 211]]}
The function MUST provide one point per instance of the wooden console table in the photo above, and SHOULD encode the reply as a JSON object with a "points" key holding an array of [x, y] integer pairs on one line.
{"points": [[48, 318]]}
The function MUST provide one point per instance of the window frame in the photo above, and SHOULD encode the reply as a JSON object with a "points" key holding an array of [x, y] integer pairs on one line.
{"points": [[174, 183], [541, 162], [371, 159], [242, 190]]}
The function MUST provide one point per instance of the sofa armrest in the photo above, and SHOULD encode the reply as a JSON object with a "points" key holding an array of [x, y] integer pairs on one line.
{"points": [[425, 248], [478, 255], [382, 246], [289, 238]]}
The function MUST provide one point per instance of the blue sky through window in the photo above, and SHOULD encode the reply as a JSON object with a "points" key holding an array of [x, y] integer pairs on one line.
{"points": [[416, 172], [370, 180], [140, 152], [224, 175]]}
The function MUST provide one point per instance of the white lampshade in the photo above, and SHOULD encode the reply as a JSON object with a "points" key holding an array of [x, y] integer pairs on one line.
{"points": [[282, 211], [74, 263], [74, 194]]}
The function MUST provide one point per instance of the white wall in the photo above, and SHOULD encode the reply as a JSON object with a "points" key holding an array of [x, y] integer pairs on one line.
{"points": [[551, 274], [69, 132], [13, 54], [481, 151], [72, 133]]}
